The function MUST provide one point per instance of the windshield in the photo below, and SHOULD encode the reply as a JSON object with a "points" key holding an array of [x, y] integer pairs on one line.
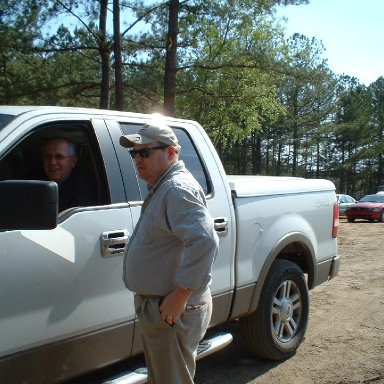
{"points": [[5, 119], [372, 198]]}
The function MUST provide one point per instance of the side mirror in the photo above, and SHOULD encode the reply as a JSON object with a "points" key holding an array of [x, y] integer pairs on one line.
{"points": [[28, 204]]}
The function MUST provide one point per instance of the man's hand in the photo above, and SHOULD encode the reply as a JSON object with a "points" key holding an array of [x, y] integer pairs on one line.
{"points": [[174, 304]]}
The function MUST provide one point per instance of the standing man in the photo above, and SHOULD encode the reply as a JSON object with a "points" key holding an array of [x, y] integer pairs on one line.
{"points": [[169, 257]]}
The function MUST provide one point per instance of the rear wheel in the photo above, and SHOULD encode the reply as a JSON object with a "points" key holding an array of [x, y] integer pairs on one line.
{"points": [[382, 216], [350, 219], [277, 327]]}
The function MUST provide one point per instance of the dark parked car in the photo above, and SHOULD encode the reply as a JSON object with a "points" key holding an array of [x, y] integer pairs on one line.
{"points": [[369, 207], [344, 202]]}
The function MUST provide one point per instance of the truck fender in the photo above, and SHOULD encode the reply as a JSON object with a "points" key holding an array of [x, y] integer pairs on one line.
{"points": [[304, 258]]}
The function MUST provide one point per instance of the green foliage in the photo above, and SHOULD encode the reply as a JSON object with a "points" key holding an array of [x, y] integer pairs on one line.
{"points": [[270, 106]]}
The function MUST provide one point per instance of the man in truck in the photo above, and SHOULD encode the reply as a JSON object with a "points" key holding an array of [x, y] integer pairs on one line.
{"points": [[169, 257], [59, 163]]}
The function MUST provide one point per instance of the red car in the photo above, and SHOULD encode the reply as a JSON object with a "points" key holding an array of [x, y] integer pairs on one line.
{"points": [[369, 207]]}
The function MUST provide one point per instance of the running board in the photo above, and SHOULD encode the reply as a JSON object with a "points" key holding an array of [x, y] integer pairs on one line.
{"points": [[206, 347], [213, 344]]}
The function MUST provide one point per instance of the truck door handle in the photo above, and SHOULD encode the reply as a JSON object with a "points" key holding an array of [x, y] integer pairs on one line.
{"points": [[114, 243], [221, 226]]}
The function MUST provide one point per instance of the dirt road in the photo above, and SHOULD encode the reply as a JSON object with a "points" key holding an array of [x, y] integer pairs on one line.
{"points": [[345, 336]]}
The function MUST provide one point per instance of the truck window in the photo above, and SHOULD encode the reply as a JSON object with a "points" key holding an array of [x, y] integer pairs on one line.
{"points": [[188, 154], [25, 161], [5, 119]]}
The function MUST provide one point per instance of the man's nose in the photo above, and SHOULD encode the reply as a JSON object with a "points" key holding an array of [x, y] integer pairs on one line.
{"points": [[51, 159], [138, 159]]}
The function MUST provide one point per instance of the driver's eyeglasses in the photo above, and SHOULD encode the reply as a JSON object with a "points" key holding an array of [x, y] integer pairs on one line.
{"points": [[57, 157], [145, 152]]}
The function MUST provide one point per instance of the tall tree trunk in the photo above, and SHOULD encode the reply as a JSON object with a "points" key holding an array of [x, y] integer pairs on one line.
{"points": [[119, 87], [256, 154], [318, 159], [278, 162], [380, 160], [104, 55], [295, 135], [268, 156], [170, 59], [244, 156], [380, 173]]}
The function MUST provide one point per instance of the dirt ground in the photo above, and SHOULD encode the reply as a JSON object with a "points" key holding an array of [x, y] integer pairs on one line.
{"points": [[345, 335]]}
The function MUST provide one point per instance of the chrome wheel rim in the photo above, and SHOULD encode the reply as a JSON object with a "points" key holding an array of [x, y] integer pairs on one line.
{"points": [[286, 311]]}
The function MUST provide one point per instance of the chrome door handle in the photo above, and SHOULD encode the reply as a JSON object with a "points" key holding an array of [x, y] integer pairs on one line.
{"points": [[114, 243], [221, 226]]}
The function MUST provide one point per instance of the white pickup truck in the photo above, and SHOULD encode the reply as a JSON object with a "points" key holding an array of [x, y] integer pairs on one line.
{"points": [[64, 309]]}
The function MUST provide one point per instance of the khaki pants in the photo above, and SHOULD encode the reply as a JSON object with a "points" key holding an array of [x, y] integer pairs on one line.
{"points": [[170, 351]]}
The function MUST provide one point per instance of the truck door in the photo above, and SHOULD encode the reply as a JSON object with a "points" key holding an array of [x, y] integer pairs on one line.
{"points": [[202, 164], [62, 297]]}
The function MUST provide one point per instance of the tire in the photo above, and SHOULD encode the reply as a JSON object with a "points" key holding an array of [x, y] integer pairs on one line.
{"points": [[277, 327], [382, 217], [351, 219]]}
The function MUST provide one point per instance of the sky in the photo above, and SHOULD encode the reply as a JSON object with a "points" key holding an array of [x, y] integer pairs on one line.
{"points": [[352, 32]]}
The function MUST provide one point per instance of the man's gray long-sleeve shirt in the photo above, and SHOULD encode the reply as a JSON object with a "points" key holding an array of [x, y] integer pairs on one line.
{"points": [[174, 242]]}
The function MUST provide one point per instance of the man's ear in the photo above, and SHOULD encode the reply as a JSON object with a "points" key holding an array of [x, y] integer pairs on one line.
{"points": [[172, 151]]}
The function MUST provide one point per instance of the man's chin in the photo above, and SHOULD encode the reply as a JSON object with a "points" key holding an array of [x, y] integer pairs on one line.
{"points": [[141, 174], [55, 179]]}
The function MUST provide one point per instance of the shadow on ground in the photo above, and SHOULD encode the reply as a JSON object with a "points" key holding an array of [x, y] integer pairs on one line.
{"points": [[231, 365]]}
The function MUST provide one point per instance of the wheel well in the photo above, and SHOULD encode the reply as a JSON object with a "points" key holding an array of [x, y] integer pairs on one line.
{"points": [[295, 247], [299, 254]]}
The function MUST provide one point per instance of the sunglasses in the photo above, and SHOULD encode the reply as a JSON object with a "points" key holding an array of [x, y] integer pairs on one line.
{"points": [[145, 152]]}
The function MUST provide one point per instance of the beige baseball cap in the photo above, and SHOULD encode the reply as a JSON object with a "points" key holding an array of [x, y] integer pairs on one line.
{"points": [[150, 133]]}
